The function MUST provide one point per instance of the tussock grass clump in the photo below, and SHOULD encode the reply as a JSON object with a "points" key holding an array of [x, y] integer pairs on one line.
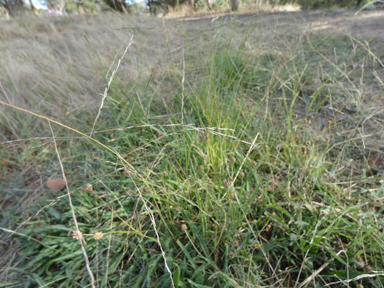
{"points": [[243, 168]]}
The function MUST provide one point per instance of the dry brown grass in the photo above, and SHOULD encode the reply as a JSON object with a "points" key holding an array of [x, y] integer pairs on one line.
{"points": [[59, 64], [65, 58]]}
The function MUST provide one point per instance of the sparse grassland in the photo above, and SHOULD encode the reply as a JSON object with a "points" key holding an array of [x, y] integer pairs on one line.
{"points": [[240, 152]]}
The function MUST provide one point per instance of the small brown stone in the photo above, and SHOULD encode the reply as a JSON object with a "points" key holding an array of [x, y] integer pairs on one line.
{"points": [[56, 185]]}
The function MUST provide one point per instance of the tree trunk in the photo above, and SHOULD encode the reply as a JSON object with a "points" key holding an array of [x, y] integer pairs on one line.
{"points": [[122, 7], [166, 7], [80, 8], [33, 8], [235, 5], [209, 4], [18, 8], [150, 6], [4, 14], [8, 7]]}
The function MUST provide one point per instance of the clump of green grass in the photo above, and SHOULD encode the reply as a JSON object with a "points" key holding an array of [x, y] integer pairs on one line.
{"points": [[242, 186]]}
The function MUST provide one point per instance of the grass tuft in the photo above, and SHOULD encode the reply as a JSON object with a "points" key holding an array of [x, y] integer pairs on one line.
{"points": [[247, 167]]}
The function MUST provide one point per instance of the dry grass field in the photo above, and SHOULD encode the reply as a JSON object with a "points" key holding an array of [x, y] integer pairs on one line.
{"points": [[228, 150]]}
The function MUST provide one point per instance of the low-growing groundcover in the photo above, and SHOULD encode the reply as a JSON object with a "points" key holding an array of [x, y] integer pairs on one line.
{"points": [[231, 182]]}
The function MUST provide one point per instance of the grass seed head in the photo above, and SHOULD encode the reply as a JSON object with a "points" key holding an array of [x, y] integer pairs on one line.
{"points": [[184, 227], [76, 235], [359, 261], [225, 184], [87, 188], [98, 235], [232, 255], [201, 168], [209, 180], [368, 269], [233, 159], [179, 209], [126, 173], [254, 163], [242, 174], [165, 173], [236, 244], [230, 178]]}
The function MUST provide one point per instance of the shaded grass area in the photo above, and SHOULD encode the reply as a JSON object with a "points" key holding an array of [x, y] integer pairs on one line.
{"points": [[237, 165]]}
